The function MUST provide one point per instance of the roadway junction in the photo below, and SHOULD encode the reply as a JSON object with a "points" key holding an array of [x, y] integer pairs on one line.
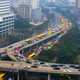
{"points": [[34, 46]]}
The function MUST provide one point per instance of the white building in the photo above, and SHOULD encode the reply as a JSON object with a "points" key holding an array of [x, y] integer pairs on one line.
{"points": [[35, 4], [36, 15], [78, 3], [6, 18], [36, 11]]}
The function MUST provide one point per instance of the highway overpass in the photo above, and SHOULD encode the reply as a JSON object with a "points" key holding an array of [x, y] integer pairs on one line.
{"points": [[42, 68], [37, 40]]}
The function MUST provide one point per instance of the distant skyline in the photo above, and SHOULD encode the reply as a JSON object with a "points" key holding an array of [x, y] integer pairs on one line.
{"points": [[35, 3]]}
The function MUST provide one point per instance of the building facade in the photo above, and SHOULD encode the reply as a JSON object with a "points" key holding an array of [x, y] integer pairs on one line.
{"points": [[36, 11], [35, 4], [24, 9], [6, 18], [78, 3]]}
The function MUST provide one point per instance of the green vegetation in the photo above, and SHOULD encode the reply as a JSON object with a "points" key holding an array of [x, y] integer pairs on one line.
{"points": [[67, 51], [69, 48]]}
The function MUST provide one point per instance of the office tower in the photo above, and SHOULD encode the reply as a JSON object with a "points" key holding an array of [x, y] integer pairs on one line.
{"points": [[36, 11], [62, 3], [35, 4], [77, 13], [36, 15], [27, 2], [29, 9], [78, 3], [72, 3], [24, 9], [6, 18], [51, 0]]}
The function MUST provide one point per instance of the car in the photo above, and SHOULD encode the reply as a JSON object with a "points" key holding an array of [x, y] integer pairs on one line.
{"points": [[42, 63], [56, 68], [78, 69], [66, 66], [10, 46], [29, 41], [72, 66], [61, 65], [45, 65], [28, 61], [34, 66], [27, 67], [75, 66], [54, 65]]}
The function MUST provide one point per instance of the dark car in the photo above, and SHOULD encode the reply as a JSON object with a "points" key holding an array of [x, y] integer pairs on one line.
{"points": [[75, 66], [56, 68], [42, 63], [78, 69], [28, 61], [54, 65], [34, 66], [61, 65]]}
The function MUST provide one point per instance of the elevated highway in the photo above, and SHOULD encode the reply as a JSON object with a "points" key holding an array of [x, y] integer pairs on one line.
{"points": [[42, 68], [14, 49], [37, 40]]}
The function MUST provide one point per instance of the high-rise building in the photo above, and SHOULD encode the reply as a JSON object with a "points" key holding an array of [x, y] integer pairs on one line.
{"points": [[36, 15], [35, 4], [72, 3], [26, 2], [77, 14], [6, 18], [78, 3], [36, 11], [24, 9], [65, 3], [29, 9]]}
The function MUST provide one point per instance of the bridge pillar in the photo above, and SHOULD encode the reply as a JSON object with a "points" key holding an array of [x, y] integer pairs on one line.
{"points": [[49, 77], [18, 77]]}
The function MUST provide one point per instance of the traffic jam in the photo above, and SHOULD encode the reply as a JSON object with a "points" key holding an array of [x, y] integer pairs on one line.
{"points": [[65, 68]]}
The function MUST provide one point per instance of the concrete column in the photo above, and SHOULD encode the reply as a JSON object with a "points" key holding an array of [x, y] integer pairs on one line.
{"points": [[18, 77], [49, 77]]}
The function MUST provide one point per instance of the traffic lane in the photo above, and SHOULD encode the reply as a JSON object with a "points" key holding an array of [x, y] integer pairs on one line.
{"points": [[13, 65], [36, 68], [49, 70]]}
